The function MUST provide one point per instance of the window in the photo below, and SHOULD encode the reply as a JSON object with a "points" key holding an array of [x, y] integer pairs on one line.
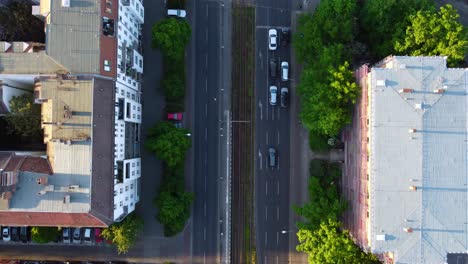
{"points": [[131, 196], [131, 186], [126, 188], [121, 203], [107, 66], [126, 198], [115, 206], [121, 190], [133, 165], [115, 193]]}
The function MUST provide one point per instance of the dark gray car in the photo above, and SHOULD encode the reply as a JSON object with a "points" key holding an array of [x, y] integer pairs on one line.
{"points": [[273, 68]]}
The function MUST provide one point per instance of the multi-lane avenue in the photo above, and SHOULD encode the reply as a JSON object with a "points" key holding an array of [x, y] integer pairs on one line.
{"points": [[272, 130]]}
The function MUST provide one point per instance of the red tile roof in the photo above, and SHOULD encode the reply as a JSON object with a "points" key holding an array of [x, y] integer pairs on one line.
{"points": [[36, 164], [14, 164], [50, 219]]}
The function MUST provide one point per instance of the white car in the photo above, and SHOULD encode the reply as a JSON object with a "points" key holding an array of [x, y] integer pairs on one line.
{"points": [[284, 71], [273, 39], [176, 12], [273, 94], [6, 234]]}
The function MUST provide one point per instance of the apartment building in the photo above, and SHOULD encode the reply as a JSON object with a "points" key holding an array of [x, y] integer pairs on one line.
{"points": [[407, 168], [87, 78]]}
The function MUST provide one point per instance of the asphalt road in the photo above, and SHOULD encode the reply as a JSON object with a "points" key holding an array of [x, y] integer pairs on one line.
{"points": [[209, 105], [272, 130]]}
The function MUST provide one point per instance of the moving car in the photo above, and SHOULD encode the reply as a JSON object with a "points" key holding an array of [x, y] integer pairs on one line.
{"points": [[175, 116], [284, 37], [24, 234], [97, 235], [284, 97], [6, 233], [273, 68], [272, 157], [66, 235], [77, 235], [273, 92], [284, 70], [273, 39], [87, 236], [176, 13], [14, 233]]}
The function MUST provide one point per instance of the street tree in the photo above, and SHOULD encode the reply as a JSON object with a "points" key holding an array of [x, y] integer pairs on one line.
{"points": [[25, 116], [44, 234], [171, 35], [345, 90], [168, 142], [17, 23], [328, 245], [123, 235], [435, 33], [333, 22], [174, 86], [385, 21], [324, 203]]}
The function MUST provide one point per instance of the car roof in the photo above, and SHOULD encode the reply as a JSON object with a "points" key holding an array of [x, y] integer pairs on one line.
{"points": [[272, 30], [273, 87]]}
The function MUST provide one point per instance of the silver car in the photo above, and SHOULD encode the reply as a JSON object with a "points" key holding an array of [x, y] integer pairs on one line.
{"points": [[273, 95], [284, 70]]}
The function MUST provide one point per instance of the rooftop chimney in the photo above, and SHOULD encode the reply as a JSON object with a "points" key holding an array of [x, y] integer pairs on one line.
{"points": [[408, 229], [406, 90], [412, 130], [413, 188], [439, 91]]}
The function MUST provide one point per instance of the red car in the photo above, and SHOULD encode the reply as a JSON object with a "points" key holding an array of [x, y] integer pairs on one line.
{"points": [[174, 116], [97, 235]]}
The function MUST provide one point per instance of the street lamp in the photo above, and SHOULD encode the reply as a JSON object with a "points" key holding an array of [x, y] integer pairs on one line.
{"points": [[285, 231], [188, 135]]}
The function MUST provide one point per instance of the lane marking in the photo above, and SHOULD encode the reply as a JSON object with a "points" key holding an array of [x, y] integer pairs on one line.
{"points": [[206, 109], [261, 109], [277, 213], [267, 137], [260, 158], [266, 239], [277, 259], [266, 188], [206, 133], [206, 10], [204, 233], [261, 59], [266, 213], [273, 111], [278, 188], [205, 209], [206, 61], [206, 34], [278, 137], [206, 85], [277, 240]]}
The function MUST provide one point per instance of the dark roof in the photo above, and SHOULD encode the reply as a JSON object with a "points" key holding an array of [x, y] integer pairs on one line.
{"points": [[458, 258], [36, 164], [102, 178]]}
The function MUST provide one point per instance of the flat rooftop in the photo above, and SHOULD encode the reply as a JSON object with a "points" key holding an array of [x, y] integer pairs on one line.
{"points": [[418, 159]]}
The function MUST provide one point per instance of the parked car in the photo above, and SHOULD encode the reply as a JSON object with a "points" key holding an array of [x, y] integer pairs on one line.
{"points": [[6, 233], [175, 116], [77, 235], [272, 157], [87, 235], [273, 39], [24, 237], [14, 233], [273, 92], [284, 70], [273, 68], [176, 13], [97, 235], [284, 37], [284, 97], [66, 235]]}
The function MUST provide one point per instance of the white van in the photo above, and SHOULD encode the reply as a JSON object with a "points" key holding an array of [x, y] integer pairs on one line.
{"points": [[176, 12]]}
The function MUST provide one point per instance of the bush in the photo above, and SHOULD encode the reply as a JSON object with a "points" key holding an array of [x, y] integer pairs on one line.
{"points": [[318, 142], [173, 85], [123, 235], [42, 235]]}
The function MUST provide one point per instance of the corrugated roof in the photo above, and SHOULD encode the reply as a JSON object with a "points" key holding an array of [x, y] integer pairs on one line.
{"points": [[29, 63], [73, 35], [432, 157]]}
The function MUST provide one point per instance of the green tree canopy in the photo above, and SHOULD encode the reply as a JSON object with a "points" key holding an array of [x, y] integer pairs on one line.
{"points": [[333, 22], [324, 203], [42, 234], [327, 245], [123, 235], [385, 21], [168, 142], [435, 33], [170, 35], [174, 86], [25, 116], [326, 103], [173, 201]]}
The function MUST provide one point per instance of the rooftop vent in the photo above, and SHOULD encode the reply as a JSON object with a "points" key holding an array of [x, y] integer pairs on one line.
{"points": [[412, 130], [380, 82], [408, 229], [439, 91], [66, 199], [418, 106], [42, 180], [402, 66], [413, 188], [66, 3], [406, 90], [382, 237]]}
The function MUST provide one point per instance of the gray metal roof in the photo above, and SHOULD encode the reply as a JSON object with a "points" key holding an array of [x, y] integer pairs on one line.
{"points": [[73, 34], [433, 159], [29, 63]]}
